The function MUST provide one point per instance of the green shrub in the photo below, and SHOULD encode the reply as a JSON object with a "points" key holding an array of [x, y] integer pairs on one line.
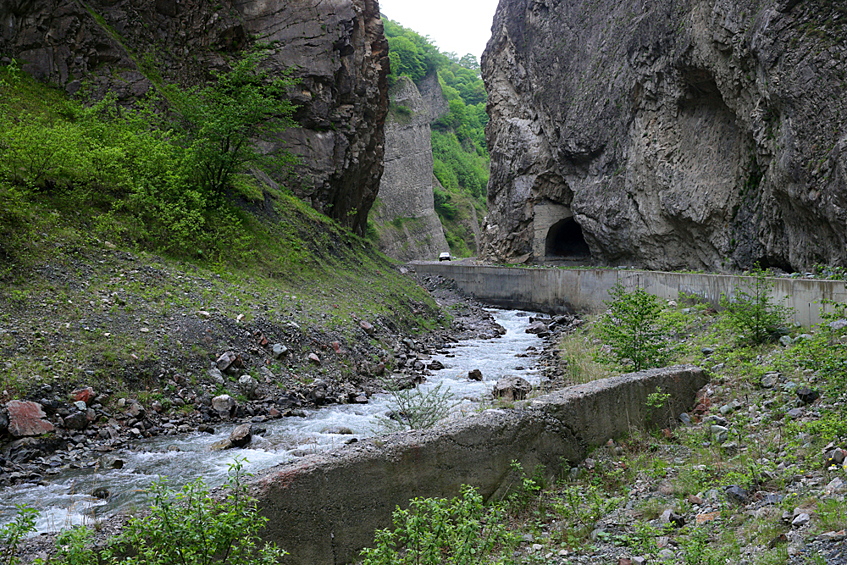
{"points": [[415, 408], [436, 530], [751, 313], [221, 121], [634, 328], [12, 533], [190, 527]]}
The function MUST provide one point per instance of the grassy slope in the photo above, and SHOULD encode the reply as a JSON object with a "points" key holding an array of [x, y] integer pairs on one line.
{"points": [[76, 295], [611, 508]]}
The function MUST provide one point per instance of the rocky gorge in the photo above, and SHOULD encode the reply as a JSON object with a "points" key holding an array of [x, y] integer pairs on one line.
{"points": [[696, 135]]}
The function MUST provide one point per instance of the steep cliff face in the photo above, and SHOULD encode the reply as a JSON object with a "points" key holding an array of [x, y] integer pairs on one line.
{"points": [[335, 47], [408, 225], [665, 134]]}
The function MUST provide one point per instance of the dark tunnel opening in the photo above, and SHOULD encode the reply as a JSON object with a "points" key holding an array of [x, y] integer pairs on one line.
{"points": [[565, 240]]}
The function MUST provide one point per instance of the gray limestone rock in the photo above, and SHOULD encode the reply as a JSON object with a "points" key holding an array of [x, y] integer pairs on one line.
{"points": [[409, 228], [667, 135]]}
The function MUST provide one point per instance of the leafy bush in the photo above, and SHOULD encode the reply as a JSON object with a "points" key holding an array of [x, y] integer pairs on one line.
{"points": [[415, 408], [634, 328], [190, 527], [221, 121], [750, 311], [436, 530], [12, 533]]}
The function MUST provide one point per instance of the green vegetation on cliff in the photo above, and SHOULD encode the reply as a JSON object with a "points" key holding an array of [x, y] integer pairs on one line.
{"points": [[117, 264], [458, 138]]}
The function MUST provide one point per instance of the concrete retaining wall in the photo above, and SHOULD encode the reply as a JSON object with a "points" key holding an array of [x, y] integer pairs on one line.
{"points": [[584, 290], [324, 508]]}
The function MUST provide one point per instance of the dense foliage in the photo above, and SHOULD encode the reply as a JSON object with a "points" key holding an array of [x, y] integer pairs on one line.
{"points": [[189, 526], [148, 180], [634, 329], [458, 138], [437, 530]]}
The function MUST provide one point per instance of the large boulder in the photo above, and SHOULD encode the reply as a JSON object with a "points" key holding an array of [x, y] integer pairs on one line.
{"points": [[224, 405], [241, 435], [511, 389], [27, 419]]}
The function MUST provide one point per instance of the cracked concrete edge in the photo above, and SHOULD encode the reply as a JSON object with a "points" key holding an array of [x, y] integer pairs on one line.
{"points": [[324, 508]]}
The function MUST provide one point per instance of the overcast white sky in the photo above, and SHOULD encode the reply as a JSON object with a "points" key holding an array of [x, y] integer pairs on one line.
{"points": [[461, 26]]}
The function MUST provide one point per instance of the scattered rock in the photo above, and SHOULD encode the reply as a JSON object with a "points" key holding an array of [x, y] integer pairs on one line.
{"points": [[241, 435], [800, 520], [229, 361], [76, 421], [136, 410], [512, 388], [435, 366], [807, 395], [314, 359], [737, 494], [279, 350], [672, 518], [224, 405], [834, 457], [475, 375], [769, 380], [102, 493], [27, 419], [216, 376], [538, 328], [248, 386], [85, 395], [368, 328]]}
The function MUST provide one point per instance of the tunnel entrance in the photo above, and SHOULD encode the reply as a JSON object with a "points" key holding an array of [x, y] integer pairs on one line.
{"points": [[565, 240]]}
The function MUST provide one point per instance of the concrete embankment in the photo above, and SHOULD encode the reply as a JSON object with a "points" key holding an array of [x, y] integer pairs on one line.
{"points": [[584, 290], [324, 508]]}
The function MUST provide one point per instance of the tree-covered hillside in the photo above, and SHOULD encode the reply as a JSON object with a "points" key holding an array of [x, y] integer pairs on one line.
{"points": [[458, 139]]}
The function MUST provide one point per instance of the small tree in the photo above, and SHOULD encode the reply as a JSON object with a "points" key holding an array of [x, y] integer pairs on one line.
{"points": [[222, 121], [750, 311], [12, 533], [414, 408], [633, 328]]}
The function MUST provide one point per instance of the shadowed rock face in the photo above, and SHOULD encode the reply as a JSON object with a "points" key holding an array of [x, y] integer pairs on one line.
{"points": [[700, 134], [336, 48]]}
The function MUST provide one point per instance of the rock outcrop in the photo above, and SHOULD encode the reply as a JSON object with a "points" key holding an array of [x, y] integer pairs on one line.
{"points": [[408, 226], [707, 134], [336, 49]]}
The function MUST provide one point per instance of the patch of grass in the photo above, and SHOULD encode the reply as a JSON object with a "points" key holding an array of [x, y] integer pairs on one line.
{"points": [[579, 353]]}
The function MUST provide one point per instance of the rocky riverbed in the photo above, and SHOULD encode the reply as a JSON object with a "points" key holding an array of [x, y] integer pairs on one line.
{"points": [[258, 380]]}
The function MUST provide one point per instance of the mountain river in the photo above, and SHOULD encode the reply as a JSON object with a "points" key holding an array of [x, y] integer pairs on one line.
{"points": [[66, 498]]}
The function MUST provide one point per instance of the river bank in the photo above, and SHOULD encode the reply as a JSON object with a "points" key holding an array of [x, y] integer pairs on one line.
{"points": [[93, 428]]}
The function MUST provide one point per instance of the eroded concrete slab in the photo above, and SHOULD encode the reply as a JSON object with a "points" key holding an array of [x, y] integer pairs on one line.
{"points": [[324, 508]]}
